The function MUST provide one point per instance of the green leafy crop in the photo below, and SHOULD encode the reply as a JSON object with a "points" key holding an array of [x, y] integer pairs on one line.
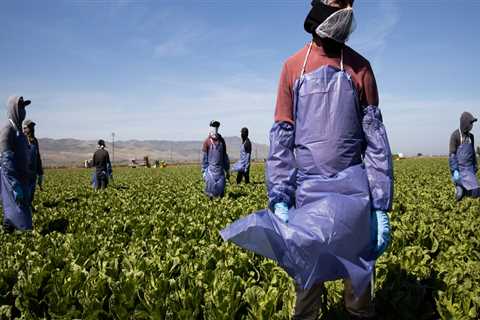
{"points": [[149, 248]]}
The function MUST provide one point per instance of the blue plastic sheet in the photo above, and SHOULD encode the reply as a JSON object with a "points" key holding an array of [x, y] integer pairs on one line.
{"points": [[14, 173], [214, 165], [466, 166], [243, 163], [326, 239]]}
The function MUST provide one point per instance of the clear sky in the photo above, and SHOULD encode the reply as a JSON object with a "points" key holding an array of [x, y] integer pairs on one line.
{"points": [[163, 69]]}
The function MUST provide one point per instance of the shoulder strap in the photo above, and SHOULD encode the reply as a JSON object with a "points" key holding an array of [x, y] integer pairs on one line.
{"points": [[306, 59], [341, 60]]}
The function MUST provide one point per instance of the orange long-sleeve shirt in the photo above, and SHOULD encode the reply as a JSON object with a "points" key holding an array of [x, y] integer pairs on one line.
{"points": [[354, 64]]}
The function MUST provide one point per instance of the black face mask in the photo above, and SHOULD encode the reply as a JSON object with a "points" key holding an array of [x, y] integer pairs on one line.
{"points": [[318, 14]]}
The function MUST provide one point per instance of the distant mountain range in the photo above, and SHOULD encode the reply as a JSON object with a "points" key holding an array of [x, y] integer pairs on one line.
{"points": [[73, 152]]}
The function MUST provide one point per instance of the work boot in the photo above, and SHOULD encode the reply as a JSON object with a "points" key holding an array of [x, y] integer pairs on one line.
{"points": [[458, 193], [8, 227]]}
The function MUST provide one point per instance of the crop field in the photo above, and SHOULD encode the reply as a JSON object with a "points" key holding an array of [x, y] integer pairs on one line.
{"points": [[149, 248]]}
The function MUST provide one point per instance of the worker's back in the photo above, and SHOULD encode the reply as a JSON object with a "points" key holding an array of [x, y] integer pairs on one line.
{"points": [[100, 160]]}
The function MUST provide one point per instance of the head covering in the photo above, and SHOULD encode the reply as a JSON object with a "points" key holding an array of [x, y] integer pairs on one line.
{"points": [[213, 131], [338, 26], [16, 110], [214, 124], [332, 19], [320, 12], [466, 119], [244, 133], [28, 123], [101, 143]]}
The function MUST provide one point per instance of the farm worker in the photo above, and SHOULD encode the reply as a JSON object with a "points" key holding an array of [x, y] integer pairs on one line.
{"points": [[329, 170], [242, 166], [35, 167], [14, 168], [462, 159], [215, 162], [103, 166]]}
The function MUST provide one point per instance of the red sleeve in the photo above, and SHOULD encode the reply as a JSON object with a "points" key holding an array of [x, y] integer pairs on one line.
{"points": [[284, 105], [369, 94], [206, 145]]}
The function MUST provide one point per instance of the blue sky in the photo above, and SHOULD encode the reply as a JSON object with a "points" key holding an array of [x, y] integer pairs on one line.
{"points": [[164, 69]]}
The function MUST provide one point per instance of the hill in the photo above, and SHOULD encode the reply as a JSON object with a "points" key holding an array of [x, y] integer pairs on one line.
{"points": [[73, 152]]}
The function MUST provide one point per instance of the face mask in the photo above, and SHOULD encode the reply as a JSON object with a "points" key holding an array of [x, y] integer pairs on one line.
{"points": [[337, 26], [213, 132], [318, 14]]}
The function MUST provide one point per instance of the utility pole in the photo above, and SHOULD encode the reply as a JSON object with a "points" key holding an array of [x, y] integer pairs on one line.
{"points": [[113, 147]]}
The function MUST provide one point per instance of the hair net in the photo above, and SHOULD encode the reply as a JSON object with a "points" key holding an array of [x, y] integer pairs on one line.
{"points": [[338, 26]]}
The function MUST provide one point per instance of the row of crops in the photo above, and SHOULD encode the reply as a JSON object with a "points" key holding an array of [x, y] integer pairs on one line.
{"points": [[149, 248]]}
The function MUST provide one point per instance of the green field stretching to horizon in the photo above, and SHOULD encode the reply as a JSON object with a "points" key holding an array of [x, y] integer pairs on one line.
{"points": [[149, 248]]}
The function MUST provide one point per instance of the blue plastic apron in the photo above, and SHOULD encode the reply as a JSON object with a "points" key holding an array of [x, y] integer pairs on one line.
{"points": [[328, 234], [215, 172], [18, 214], [466, 164], [243, 163]]}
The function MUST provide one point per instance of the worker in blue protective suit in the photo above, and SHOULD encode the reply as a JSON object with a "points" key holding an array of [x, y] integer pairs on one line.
{"points": [[242, 166], [329, 170], [14, 173], [215, 162], [463, 160], [35, 167]]}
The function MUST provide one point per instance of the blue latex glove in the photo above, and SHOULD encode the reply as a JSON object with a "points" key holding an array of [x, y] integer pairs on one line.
{"points": [[456, 176], [380, 232], [281, 211], [18, 194]]}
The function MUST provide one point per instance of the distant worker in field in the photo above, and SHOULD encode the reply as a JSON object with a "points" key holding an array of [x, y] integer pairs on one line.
{"points": [[103, 166], [14, 175], [35, 167], [329, 171], [242, 166], [215, 162], [462, 159]]}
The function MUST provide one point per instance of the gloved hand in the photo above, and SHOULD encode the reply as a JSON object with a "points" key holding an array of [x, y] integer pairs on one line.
{"points": [[456, 176], [281, 211], [204, 174], [40, 182], [18, 194], [379, 231]]}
